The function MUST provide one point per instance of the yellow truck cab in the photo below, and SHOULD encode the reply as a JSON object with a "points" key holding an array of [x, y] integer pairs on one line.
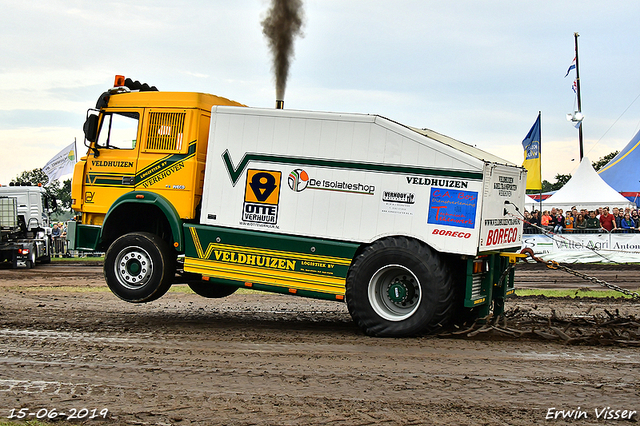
{"points": [[142, 140]]}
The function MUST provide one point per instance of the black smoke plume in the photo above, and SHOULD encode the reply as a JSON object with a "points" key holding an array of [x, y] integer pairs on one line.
{"points": [[283, 23]]}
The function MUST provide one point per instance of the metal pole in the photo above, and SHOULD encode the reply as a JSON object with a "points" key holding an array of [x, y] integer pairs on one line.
{"points": [[576, 35], [540, 155]]}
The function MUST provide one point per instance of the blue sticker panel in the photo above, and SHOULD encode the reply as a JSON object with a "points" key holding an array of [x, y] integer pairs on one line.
{"points": [[453, 207]]}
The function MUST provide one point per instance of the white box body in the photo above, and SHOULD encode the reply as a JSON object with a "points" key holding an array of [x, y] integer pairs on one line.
{"points": [[357, 178]]}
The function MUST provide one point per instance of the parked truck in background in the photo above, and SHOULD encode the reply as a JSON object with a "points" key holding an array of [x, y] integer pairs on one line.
{"points": [[25, 235], [410, 227]]}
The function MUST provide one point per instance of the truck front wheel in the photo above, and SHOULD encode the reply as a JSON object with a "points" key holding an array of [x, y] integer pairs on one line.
{"points": [[399, 287], [139, 267]]}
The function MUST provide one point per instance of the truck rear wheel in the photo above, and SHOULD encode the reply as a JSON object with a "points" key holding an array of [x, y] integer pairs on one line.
{"points": [[139, 267], [399, 287], [212, 290]]}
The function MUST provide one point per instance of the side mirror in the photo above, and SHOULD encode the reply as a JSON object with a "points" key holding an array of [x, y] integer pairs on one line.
{"points": [[50, 203], [91, 128]]}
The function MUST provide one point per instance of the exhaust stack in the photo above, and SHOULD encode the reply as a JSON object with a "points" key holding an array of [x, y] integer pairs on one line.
{"points": [[279, 104]]}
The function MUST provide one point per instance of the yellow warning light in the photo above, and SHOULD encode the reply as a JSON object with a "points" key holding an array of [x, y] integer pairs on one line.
{"points": [[119, 82]]}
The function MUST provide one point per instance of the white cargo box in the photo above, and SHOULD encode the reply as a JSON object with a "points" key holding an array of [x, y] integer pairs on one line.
{"points": [[356, 177]]}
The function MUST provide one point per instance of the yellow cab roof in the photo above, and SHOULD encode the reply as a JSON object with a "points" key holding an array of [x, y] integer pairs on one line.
{"points": [[156, 99]]}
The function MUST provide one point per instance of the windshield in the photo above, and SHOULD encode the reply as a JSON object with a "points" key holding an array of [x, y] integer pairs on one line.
{"points": [[118, 130]]}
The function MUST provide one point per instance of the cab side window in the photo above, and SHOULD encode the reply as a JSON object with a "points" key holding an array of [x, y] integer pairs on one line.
{"points": [[118, 130]]}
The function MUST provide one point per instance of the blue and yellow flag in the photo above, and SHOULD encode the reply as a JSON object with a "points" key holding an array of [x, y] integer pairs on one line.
{"points": [[531, 145]]}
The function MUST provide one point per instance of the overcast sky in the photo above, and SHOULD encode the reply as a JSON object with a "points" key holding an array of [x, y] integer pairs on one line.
{"points": [[478, 71]]}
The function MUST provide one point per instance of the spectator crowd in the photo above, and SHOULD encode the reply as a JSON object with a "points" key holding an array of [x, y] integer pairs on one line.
{"points": [[582, 221]]}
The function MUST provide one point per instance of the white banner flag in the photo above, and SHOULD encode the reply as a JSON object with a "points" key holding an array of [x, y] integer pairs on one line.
{"points": [[62, 163]]}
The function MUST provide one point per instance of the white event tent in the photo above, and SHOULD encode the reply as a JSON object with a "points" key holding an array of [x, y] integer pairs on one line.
{"points": [[530, 204], [586, 190]]}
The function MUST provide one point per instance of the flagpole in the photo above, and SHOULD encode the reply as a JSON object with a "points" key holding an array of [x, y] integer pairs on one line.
{"points": [[540, 154], [576, 35]]}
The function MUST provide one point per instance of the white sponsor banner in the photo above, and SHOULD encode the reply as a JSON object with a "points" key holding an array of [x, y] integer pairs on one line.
{"points": [[585, 248]]}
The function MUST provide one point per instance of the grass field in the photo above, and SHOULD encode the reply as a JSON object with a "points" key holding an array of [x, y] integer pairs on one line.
{"points": [[572, 293], [77, 259]]}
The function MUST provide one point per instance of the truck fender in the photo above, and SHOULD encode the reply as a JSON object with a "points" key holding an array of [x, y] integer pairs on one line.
{"points": [[150, 198]]}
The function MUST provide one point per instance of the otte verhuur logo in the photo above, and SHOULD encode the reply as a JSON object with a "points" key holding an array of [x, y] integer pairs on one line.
{"points": [[261, 197]]}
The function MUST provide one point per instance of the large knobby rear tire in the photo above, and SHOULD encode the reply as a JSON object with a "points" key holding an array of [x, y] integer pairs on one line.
{"points": [[212, 290], [139, 267], [400, 287]]}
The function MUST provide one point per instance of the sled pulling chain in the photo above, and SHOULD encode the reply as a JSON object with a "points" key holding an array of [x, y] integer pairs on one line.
{"points": [[555, 265]]}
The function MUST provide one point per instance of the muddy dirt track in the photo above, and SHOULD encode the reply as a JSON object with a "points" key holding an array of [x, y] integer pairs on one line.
{"points": [[67, 344]]}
